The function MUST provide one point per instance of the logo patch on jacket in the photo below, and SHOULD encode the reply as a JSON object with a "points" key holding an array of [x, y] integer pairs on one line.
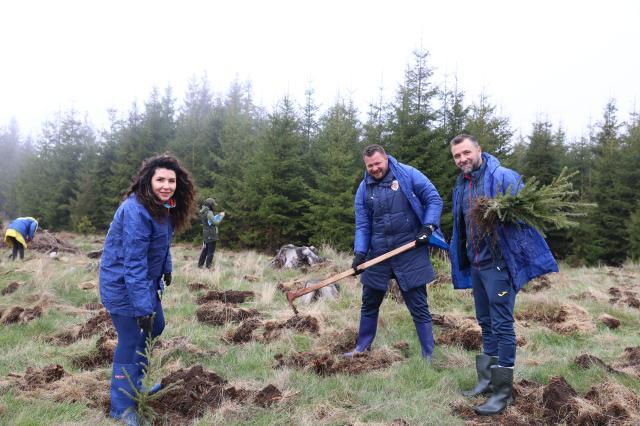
{"points": [[395, 185], [502, 293]]}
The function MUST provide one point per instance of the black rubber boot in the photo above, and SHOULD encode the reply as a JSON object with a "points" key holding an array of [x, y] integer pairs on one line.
{"points": [[502, 381], [483, 368]]}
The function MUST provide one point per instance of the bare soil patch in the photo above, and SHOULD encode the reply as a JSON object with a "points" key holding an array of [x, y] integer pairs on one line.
{"points": [[10, 288], [214, 313], [196, 391], [102, 355], [565, 319], [227, 296], [254, 329], [326, 364], [20, 315], [98, 324]]}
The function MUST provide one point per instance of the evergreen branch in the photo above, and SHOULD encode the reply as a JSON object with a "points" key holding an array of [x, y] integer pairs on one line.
{"points": [[541, 207]]}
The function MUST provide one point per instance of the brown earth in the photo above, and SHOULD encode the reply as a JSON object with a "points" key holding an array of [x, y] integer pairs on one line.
{"points": [[565, 319], [587, 361], [195, 286], [48, 242], [606, 403], [20, 315], [93, 306], [630, 297], [102, 355], [35, 377], [196, 391], [609, 321], [214, 313], [227, 296], [271, 330], [10, 288], [98, 324], [326, 364], [537, 285]]}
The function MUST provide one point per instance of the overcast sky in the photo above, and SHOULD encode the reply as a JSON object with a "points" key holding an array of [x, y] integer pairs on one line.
{"points": [[555, 60]]}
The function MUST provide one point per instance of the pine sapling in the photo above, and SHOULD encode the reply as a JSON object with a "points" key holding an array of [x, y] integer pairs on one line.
{"points": [[541, 207]]}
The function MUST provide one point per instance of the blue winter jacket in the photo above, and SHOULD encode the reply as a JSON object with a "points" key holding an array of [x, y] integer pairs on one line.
{"points": [[524, 250], [135, 256], [397, 223], [26, 226]]}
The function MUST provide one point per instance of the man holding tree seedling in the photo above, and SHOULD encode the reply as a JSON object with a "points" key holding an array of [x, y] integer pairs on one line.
{"points": [[395, 204], [496, 262]]}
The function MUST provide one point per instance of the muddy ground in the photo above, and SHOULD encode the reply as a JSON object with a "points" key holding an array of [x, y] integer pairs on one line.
{"points": [[227, 296]]}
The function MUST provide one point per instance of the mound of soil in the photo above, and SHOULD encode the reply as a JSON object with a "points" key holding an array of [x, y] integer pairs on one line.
{"points": [[340, 342], [218, 314], [93, 306], [326, 364], [98, 324], [244, 333], [558, 403], [20, 315], [629, 361], [49, 242], [196, 390], [537, 285], [565, 319], [102, 355], [300, 323], [181, 343], [10, 288], [609, 321], [462, 331], [195, 286], [630, 297], [35, 378], [227, 296], [587, 361]]}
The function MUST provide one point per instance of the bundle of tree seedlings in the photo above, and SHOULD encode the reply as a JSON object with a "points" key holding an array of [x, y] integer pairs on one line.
{"points": [[542, 207]]}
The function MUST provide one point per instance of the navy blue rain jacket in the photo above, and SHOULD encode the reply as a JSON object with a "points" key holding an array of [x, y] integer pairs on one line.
{"points": [[524, 250], [396, 220], [136, 255]]}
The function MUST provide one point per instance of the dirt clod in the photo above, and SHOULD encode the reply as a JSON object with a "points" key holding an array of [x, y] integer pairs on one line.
{"points": [[227, 296], [217, 313], [267, 396], [10, 288], [244, 332], [609, 321], [195, 286], [35, 377], [20, 315], [300, 323], [326, 364]]}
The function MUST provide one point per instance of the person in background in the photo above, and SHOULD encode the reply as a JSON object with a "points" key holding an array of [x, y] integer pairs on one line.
{"points": [[20, 232], [210, 222], [495, 266], [395, 204], [136, 266]]}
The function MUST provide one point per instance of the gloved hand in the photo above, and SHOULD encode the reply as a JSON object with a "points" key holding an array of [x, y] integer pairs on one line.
{"points": [[422, 239], [357, 260], [167, 279], [145, 323]]}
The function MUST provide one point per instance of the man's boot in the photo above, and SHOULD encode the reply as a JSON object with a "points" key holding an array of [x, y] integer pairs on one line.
{"points": [[502, 382], [483, 368], [366, 334], [123, 407], [425, 336]]}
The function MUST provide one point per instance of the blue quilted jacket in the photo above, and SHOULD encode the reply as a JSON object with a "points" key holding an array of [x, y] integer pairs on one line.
{"points": [[524, 250], [135, 256]]}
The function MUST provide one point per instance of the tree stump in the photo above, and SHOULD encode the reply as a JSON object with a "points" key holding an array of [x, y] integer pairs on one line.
{"points": [[291, 257]]}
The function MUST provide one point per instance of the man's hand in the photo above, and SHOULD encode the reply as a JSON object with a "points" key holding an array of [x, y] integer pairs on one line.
{"points": [[145, 323], [167, 279], [357, 260], [422, 239]]}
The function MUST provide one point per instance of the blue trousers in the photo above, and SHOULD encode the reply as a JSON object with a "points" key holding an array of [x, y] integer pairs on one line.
{"points": [[495, 296], [415, 299], [131, 340]]}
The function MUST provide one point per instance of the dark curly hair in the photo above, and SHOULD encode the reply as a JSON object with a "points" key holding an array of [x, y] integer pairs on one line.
{"points": [[184, 196]]}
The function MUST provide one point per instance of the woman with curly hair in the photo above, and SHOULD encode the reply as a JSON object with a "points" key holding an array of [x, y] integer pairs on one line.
{"points": [[136, 266]]}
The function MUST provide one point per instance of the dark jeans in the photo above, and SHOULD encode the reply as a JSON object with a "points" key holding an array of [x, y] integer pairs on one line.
{"points": [[495, 298], [18, 249], [207, 253], [415, 299]]}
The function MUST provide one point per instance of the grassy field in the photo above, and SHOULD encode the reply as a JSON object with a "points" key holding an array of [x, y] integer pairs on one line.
{"points": [[560, 318]]}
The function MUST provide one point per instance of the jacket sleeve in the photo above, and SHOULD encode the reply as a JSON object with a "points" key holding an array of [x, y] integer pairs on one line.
{"points": [[363, 223], [509, 180], [214, 220], [136, 238], [33, 225], [429, 198]]}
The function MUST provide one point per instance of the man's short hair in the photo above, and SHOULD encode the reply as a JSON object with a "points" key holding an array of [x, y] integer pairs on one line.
{"points": [[463, 137], [372, 149]]}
